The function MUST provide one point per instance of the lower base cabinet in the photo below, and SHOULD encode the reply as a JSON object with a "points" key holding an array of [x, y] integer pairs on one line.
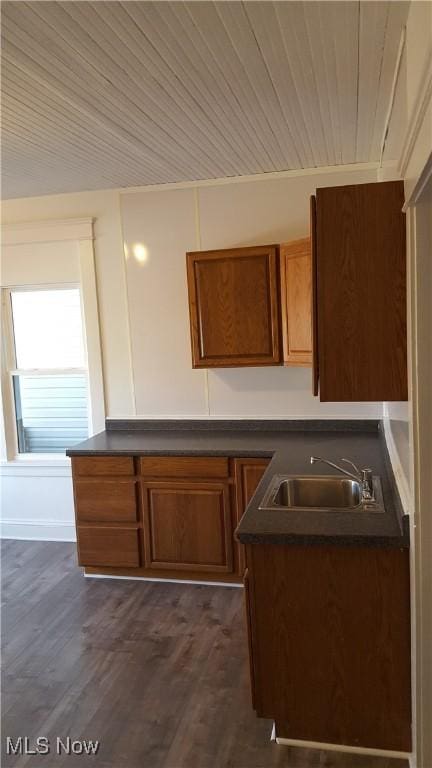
{"points": [[329, 640], [163, 516]]}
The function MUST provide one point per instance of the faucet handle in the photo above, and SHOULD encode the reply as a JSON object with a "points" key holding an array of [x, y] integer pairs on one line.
{"points": [[367, 483]]}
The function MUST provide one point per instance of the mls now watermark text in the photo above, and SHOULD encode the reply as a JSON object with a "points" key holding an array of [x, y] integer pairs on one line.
{"points": [[44, 746]]}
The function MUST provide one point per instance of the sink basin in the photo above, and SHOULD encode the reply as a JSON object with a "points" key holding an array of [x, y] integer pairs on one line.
{"points": [[320, 492]]}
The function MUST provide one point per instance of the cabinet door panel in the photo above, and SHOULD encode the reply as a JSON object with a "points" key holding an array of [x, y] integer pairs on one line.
{"points": [[110, 546], [296, 289], [105, 500], [330, 629], [187, 526], [248, 474], [234, 307], [361, 280]]}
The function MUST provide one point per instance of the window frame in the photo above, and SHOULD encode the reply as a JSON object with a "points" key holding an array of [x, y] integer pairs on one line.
{"points": [[10, 369], [78, 231]]}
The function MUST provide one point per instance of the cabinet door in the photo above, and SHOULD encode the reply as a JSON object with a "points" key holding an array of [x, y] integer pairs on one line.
{"points": [[296, 300], [234, 307], [361, 292], [330, 632], [248, 474], [187, 526]]}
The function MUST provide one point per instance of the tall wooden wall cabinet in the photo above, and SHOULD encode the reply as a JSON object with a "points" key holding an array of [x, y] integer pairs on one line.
{"points": [[359, 286]]}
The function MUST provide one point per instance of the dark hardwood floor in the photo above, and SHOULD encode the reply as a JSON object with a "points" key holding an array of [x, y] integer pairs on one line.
{"points": [[158, 673]]}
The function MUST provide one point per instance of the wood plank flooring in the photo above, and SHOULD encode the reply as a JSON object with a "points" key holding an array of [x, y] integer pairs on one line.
{"points": [[158, 673]]}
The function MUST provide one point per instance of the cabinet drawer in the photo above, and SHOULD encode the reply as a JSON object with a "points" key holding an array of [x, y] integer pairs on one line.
{"points": [[98, 501], [184, 466], [103, 465], [108, 546]]}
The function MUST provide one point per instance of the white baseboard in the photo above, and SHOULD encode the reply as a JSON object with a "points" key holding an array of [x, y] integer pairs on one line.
{"points": [[342, 748], [37, 530], [165, 581]]}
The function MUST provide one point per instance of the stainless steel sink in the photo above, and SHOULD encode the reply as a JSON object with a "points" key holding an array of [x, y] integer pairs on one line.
{"points": [[320, 492]]}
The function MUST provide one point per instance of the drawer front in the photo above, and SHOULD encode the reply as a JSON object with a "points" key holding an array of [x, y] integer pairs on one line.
{"points": [[108, 546], [206, 467], [109, 501], [103, 465]]}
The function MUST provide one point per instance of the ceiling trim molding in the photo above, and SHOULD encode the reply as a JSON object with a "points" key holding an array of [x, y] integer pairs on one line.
{"points": [[47, 231], [423, 179], [272, 176], [424, 96]]}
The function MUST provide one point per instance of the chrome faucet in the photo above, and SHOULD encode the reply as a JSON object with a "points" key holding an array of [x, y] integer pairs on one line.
{"points": [[363, 476]]}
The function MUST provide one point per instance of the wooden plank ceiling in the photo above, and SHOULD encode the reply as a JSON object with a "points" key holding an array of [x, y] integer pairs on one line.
{"points": [[115, 94]]}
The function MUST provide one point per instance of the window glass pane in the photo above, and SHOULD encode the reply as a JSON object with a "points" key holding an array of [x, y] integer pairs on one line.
{"points": [[51, 412], [48, 329]]}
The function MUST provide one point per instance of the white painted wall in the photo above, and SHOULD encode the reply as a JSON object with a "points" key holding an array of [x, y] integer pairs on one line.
{"points": [[162, 223], [167, 223], [37, 502]]}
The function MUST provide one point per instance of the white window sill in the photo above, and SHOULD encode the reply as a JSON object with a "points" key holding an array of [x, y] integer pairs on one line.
{"points": [[37, 460]]}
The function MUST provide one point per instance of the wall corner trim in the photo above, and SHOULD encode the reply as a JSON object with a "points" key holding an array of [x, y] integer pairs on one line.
{"points": [[422, 101], [401, 480]]}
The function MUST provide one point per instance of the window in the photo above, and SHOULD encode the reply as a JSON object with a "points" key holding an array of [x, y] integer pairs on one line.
{"points": [[47, 368]]}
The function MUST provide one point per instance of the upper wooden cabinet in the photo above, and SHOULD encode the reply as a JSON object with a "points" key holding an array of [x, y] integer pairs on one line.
{"points": [[358, 249], [296, 301], [251, 306], [234, 307]]}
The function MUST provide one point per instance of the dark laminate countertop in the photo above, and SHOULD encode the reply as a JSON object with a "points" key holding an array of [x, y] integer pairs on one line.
{"points": [[290, 444]]}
